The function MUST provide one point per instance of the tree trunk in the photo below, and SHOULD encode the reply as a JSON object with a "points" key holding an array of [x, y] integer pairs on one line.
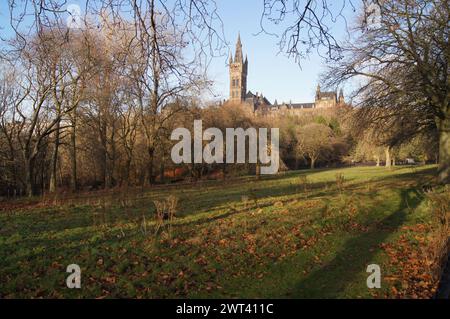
{"points": [[29, 174], [151, 155], [224, 170], [378, 161], [444, 150], [54, 162], [128, 171], [111, 163], [387, 151], [104, 168], [162, 170], [73, 158], [313, 161]]}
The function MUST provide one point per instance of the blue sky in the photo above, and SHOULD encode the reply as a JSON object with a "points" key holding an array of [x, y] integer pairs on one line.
{"points": [[270, 72], [273, 74]]}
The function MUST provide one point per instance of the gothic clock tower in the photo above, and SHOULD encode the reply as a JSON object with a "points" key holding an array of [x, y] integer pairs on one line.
{"points": [[238, 74]]}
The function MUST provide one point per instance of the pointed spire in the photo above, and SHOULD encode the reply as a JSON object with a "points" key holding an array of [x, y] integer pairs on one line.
{"points": [[341, 97], [238, 55], [231, 57], [246, 64], [318, 92]]}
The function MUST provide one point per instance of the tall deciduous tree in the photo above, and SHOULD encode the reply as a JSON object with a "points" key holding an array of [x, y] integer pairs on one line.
{"points": [[402, 61], [314, 141]]}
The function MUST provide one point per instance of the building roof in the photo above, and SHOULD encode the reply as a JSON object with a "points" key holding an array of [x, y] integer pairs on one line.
{"points": [[260, 99], [328, 95], [302, 105]]}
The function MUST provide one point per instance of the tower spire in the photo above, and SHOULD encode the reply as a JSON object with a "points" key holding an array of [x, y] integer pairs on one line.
{"points": [[238, 74], [341, 99], [238, 55]]}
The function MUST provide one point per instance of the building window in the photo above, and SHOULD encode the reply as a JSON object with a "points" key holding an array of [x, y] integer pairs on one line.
{"points": [[237, 82]]}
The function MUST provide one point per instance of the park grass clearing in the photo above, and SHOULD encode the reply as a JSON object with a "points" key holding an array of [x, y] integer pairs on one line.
{"points": [[281, 236]]}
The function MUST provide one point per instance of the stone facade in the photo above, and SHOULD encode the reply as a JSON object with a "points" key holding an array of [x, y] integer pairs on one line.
{"points": [[260, 104], [238, 74]]}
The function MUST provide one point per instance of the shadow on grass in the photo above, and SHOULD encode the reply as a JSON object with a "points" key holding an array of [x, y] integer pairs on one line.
{"points": [[205, 202], [345, 269], [323, 190]]}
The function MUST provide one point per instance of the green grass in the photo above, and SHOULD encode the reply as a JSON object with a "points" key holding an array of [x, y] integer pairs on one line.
{"points": [[286, 240]]}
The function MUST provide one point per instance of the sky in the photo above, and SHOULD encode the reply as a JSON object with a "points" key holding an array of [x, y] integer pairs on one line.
{"points": [[269, 72]]}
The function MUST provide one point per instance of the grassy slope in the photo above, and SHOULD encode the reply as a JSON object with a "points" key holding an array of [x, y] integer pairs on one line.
{"points": [[285, 240]]}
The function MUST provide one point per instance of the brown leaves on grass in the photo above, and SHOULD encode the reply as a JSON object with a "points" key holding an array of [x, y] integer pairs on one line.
{"points": [[413, 277]]}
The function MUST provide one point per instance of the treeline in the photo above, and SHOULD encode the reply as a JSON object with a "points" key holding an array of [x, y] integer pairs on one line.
{"points": [[95, 148], [94, 106]]}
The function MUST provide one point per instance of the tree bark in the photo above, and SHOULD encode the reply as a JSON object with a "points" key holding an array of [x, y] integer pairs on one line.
{"points": [[387, 151], [444, 150], [54, 162], [162, 170], [224, 170], [313, 161], [151, 155], [128, 171], [258, 170], [73, 158], [29, 175]]}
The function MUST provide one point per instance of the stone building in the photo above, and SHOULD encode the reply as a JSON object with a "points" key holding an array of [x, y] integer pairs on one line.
{"points": [[238, 74], [258, 103]]}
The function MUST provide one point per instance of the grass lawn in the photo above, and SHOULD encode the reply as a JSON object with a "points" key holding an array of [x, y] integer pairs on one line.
{"points": [[280, 236]]}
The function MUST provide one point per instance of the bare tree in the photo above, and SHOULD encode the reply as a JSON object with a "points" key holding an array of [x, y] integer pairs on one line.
{"points": [[402, 64], [67, 73], [304, 25], [12, 94], [160, 72]]}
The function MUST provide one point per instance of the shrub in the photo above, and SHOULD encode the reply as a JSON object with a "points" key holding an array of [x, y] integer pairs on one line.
{"points": [[165, 211], [340, 180]]}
